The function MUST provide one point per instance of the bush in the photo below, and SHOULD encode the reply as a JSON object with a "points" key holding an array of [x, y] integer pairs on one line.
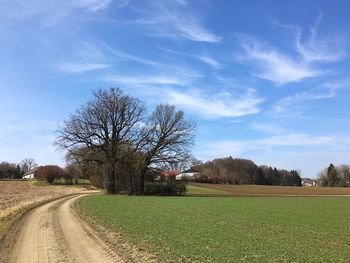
{"points": [[165, 188]]}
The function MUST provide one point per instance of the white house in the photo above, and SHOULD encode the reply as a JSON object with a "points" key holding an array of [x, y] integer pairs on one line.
{"points": [[308, 182], [30, 174], [190, 173]]}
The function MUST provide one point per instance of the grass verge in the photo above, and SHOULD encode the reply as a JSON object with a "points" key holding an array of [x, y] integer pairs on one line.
{"points": [[221, 229]]}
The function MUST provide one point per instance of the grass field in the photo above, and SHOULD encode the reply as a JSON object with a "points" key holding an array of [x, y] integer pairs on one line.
{"points": [[227, 229]]}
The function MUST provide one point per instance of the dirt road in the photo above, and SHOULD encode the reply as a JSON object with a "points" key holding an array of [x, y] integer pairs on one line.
{"points": [[53, 233]]}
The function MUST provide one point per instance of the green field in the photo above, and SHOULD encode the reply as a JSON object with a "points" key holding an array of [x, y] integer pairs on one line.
{"points": [[226, 229]]}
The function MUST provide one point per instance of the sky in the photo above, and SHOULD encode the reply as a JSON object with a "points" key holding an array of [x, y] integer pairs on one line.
{"points": [[264, 80]]}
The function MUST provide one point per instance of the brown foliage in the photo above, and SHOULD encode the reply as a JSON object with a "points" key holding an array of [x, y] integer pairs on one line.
{"points": [[49, 173]]}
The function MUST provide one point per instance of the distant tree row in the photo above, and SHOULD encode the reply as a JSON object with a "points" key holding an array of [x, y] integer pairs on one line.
{"points": [[241, 171], [335, 176], [16, 171]]}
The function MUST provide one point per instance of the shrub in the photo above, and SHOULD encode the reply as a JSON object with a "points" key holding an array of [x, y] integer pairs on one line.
{"points": [[165, 188]]}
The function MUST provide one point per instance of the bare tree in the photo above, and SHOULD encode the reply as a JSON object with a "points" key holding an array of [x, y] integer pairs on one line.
{"points": [[102, 126], [27, 165], [168, 138]]}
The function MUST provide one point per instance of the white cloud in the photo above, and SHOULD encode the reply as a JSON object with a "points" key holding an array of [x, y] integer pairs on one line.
{"points": [[241, 147], [328, 90], [217, 106], [314, 49], [49, 12], [210, 61], [203, 58], [268, 128], [145, 79], [91, 56], [275, 66], [166, 20], [72, 68], [96, 5], [282, 67], [126, 56]]}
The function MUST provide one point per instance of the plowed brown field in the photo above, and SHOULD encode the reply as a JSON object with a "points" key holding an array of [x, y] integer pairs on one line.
{"points": [[263, 190]]}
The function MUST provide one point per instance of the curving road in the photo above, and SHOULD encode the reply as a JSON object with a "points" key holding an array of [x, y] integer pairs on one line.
{"points": [[53, 233]]}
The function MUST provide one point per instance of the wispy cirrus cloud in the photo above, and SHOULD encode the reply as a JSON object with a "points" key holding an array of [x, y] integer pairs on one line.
{"points": [[50, 12], [72, 68], [203, 58], [92, 56], [240, 147], [284, 106], [210, 61], [281, 68], [273, 65], [314, 49], [140, 80], [172, 20], [224, 104], [270, 128]]}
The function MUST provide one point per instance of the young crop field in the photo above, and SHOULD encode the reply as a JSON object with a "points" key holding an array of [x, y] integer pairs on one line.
{"points": [[15, 196], [225, 229]]}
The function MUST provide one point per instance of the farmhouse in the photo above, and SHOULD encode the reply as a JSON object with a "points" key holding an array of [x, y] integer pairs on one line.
{"points": [[30, 174], [308, 182], [188, 174]]}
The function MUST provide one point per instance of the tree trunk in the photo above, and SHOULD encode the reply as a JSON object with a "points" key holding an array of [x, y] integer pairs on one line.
{"points": [[142, 180], [110, 182]]}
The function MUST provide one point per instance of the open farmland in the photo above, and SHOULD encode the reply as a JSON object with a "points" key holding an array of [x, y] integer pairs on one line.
{"points": [[15, 196], [266, 190], [224, 229]]}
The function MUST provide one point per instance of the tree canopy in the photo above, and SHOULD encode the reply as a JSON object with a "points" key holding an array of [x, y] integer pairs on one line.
{"points": [[113, 132]]}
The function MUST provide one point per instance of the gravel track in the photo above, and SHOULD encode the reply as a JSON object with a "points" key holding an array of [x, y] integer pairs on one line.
{"points": [[54, 233]]}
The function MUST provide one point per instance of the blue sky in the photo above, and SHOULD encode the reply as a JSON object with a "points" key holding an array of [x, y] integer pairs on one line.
{"points": [[264, 80]]}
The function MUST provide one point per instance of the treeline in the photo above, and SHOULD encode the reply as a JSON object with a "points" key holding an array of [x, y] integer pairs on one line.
{"points": [[16, 170], [335, 176], [241, 171]]}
